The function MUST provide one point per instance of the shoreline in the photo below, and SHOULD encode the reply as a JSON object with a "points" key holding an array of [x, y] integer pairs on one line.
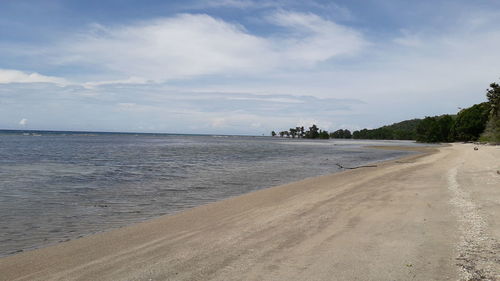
{"points": [[275, 231], [417, 149], [421, 151]]}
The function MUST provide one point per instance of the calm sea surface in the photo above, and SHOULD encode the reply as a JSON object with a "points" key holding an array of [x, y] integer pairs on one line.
{"points": [[59, 187]]}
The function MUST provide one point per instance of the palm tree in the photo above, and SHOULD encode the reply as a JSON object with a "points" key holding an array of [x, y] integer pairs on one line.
{"points": [[313, 132], [297, 131]]}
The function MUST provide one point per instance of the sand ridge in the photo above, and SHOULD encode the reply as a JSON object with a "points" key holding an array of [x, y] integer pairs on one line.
{"points": [[396, 221]]}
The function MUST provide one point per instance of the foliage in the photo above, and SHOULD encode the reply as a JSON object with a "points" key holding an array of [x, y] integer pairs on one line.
{"points": [[471, 122], [313, 133], [436, 129], [492, 132], [323, 135], [380, 133], [407, 125], [341, 134], [493, 95], [405, 130]]}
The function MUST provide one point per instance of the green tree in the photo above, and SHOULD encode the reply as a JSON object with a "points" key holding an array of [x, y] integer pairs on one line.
{"points": [[313, 132], [405, 130], [273, 133], [297, 130], [427, 130], [341, 134], [492, 132], [493, 95], [445, 124], [347, 134], [471, 122], [435, 129], [361, 134], [323, 134]]}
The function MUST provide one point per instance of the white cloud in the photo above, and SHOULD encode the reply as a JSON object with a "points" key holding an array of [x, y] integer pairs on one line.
{"points": [[16, 76], [332, 9], [130, 80], [236, 4], [185, 45], [315, 39], [190, 45], [229, 3], [23, 122]]}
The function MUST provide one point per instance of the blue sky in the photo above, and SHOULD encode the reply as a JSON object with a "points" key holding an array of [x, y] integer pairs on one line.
{"points": [[241, 66]]}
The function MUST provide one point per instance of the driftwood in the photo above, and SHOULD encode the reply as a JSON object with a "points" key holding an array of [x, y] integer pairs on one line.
{"points": [[352, 168]]}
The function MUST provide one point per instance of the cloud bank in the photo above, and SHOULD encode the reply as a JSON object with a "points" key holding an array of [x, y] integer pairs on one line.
{"points": [[150, 107], [190, 45]]}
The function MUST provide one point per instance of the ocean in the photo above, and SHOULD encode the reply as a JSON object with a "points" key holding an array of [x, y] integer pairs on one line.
{"points": [[59, 186]]}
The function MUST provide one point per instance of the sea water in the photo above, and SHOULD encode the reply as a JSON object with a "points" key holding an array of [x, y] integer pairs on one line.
{"points": [[57, 187]]}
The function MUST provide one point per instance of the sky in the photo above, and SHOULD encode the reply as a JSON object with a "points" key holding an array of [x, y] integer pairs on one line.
{"points": [[241, 66]]}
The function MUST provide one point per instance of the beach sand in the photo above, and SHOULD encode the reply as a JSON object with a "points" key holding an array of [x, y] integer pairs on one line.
{"points": [[433, 216]]}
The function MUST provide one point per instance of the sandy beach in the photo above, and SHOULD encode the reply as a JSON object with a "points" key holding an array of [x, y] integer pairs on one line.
{"points": [[432, 216]]}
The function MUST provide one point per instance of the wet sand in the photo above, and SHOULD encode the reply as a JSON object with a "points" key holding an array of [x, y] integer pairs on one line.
{"points": [[432, 216]]}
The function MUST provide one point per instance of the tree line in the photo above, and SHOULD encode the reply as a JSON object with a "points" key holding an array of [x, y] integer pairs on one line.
{"points": [[478, 122], [313, 133]]}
